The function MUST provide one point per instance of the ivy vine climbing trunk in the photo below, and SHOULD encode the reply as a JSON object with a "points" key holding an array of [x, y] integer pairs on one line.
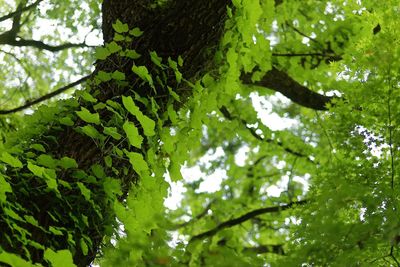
{"points": [[76, 215]]}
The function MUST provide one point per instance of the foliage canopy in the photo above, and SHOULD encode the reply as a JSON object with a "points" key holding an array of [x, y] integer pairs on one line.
{"points": [[291, 107]]}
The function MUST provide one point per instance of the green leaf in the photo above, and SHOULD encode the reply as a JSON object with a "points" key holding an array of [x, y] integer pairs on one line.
{"points": [[135, 139], [132, 54], [175, 172], [84, 190], [60, 258], [101, 53], [14, 260], [98, 171], [38, 147], [137, 161], [136, 32], [143, 73], [90, 131], [67, 121], [117, 75], [113, 47], [104, 76], [147, 124], [47, 161], [155, 58], [113, 132], [68, 163], [120, 27], [112, 187], [86, 116], [36, 170], [55, 231], [4, 188], [10, 160], [84, 247], [88, 97]]}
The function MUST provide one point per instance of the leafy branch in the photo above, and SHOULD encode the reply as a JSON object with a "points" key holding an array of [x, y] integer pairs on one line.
{"points": [[45, 97], [19, 11], [245, 217], [253, 132]]}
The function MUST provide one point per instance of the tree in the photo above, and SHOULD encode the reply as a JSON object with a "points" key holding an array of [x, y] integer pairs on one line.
{"points": [[82, 179]]}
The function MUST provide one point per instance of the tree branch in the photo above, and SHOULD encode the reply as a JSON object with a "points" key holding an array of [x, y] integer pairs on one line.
{"points": [[276, 249], [198, 217], [281, 82], [41, 45], [45, 97], [245, 217], [20, 10], [253, 132]]}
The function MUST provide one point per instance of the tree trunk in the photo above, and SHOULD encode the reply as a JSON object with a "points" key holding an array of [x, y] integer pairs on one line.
{"points": [[187, 28]]}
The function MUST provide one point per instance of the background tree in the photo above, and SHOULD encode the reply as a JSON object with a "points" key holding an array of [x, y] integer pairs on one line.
{"points": [[178, 83]]}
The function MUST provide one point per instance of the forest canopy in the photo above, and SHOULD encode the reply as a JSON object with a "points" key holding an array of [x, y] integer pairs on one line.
{"points": [[271, 127]]}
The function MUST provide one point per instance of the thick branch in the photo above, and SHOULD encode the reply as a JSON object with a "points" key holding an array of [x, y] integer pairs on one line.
{"points": [[41, 45], [245, 217], [281, 82], [20, 11], [45, 97]]}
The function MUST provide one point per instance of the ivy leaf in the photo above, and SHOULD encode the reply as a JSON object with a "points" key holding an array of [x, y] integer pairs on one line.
{"points": [[155, 58], [36, 170], [86, 116], [143, 73], [90, 131], [147, 124], [14, 260], [38, 147], [175, 171], [104, 76], [113, 47], [101, 53], [137, 161], [84, 190], [136, 32], [4, 188], [66, 121], [117, 75], [10, 160], [135, 139], [113, 132], [120, 27], [68, 163], [132, 54], [60, 258]]}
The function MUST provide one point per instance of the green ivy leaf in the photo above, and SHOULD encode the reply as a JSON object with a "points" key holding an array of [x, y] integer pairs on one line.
{"points": [[147, 124], [136, 32], [113, 47], [104, 76], [137, 161], [117, 75], [132, 54], [155, 58], [86, 116], [4, 188], [36, 170], [101, 53], [14, 260], [66, 121], [120, 27], [135, 139], [38, 147], [90, 131], [10, 160], [143, 73], [60, 258], [68, 163], [113, 132], [84, 191]]}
